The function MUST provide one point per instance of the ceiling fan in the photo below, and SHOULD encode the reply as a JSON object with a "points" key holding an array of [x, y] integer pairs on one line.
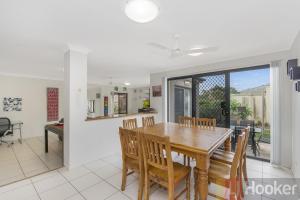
{"points": [[176, 51]]}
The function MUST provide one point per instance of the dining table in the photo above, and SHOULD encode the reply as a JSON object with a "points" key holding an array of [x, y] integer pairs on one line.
{"points": [[196, 142]]}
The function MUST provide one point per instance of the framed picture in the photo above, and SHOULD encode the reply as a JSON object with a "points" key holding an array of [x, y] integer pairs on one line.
{"points": [[52, 104], [12, 104], [156, 91]]}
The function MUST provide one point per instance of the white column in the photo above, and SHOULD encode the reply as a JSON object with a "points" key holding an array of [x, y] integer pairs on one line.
{"points": [[75, 104]]}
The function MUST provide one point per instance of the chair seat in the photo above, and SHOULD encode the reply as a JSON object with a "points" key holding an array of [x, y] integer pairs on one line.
{"points": [[180, 172], [223, 156], [219, 172]]}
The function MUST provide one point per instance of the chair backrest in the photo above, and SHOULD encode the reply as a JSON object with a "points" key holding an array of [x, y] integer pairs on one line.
{"points": [[237, 156], [207, 123], [157, 153], [186, 121], [130, 144], [247, 133], [148, 121], [130, 123], [4, 125]]}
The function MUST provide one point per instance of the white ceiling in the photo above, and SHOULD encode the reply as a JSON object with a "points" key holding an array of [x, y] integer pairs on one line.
{"points": [[35, 33]]}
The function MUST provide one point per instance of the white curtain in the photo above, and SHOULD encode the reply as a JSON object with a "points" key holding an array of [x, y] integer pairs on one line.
{"points": [[275, 109]]}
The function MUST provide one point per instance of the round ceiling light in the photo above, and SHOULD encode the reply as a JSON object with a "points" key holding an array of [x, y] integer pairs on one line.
{"points": [[141, 11]]}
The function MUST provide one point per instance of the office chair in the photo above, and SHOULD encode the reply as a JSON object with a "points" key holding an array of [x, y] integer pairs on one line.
{"points": [[5, 130]]}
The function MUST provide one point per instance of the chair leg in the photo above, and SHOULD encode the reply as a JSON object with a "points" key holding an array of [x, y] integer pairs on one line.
{"points": [[188, 187], [196, 182], [171, 192], [233, 190], [241, 191], [147, 187], [124, 177], [141, 186], [245, 171]]}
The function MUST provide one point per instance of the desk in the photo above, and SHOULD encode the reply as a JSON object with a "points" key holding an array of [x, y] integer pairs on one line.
{"points": [[58, 129], [194, 142], [17, 125]]}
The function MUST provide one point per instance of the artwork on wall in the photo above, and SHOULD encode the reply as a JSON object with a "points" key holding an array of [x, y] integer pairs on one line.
{"points": [[12, 104], [156, 91], [52, 104], [105, 105]]}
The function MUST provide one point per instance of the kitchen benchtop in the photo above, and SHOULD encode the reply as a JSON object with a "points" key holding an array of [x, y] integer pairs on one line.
{"points": [[118, 116]]}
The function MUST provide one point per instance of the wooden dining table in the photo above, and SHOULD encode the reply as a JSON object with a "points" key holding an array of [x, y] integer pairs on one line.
{"points": [[195, 142]]}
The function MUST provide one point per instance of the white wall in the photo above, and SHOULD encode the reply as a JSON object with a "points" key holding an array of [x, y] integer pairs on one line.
{"points": [[286, 134], [295, 103], [34, 99]]}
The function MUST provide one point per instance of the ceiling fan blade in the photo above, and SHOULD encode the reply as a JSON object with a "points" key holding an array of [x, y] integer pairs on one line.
{"points": [[204, 50], [159, 46]]}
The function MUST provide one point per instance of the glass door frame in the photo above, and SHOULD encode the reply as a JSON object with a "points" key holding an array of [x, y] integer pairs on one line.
{"points": [[227, 81]]}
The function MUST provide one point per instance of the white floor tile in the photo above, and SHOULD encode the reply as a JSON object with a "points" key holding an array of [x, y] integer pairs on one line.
{"points": [[73, 173], [85, 181], [94, 165], [107, 171], [100, 191], [59, 193], [22, 193], [14, 185], [118, 196], [44, 176], [49, 183], [76, 197]]}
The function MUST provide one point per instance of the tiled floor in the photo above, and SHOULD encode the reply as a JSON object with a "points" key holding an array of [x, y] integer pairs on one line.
{"points": [[101, 180], [24, 160]]}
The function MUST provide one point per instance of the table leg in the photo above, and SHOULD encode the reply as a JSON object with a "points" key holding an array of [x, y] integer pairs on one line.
{"points": [[227, 144], [21, 138], [46, 141], [201, 179]]}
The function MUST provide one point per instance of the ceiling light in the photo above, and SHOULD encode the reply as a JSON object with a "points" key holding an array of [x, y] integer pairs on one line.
{"points": [[127, 83], [141, 11], [195, 54]]}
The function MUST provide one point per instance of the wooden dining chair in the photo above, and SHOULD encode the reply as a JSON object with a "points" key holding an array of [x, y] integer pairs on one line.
{"points": [[132, 158], [205, 123], [148, 121], [186, 121], [226, 175], [160, 168], [130, 123], [227, 157]]}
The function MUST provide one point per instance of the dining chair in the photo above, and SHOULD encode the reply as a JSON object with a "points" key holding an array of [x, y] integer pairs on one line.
{"points": [[227, 157], [5, 130], [189, 122], [186, 121], [130, 123], [160, 168], [226, 175], [148, 121], [207, 123], [132, 158]]}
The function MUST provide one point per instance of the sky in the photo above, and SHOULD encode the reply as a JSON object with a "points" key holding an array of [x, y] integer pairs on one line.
{"points": [[249, 79]]}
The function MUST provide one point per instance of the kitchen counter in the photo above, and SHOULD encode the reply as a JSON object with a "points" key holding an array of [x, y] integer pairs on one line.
{"points": [[118, 116]]}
